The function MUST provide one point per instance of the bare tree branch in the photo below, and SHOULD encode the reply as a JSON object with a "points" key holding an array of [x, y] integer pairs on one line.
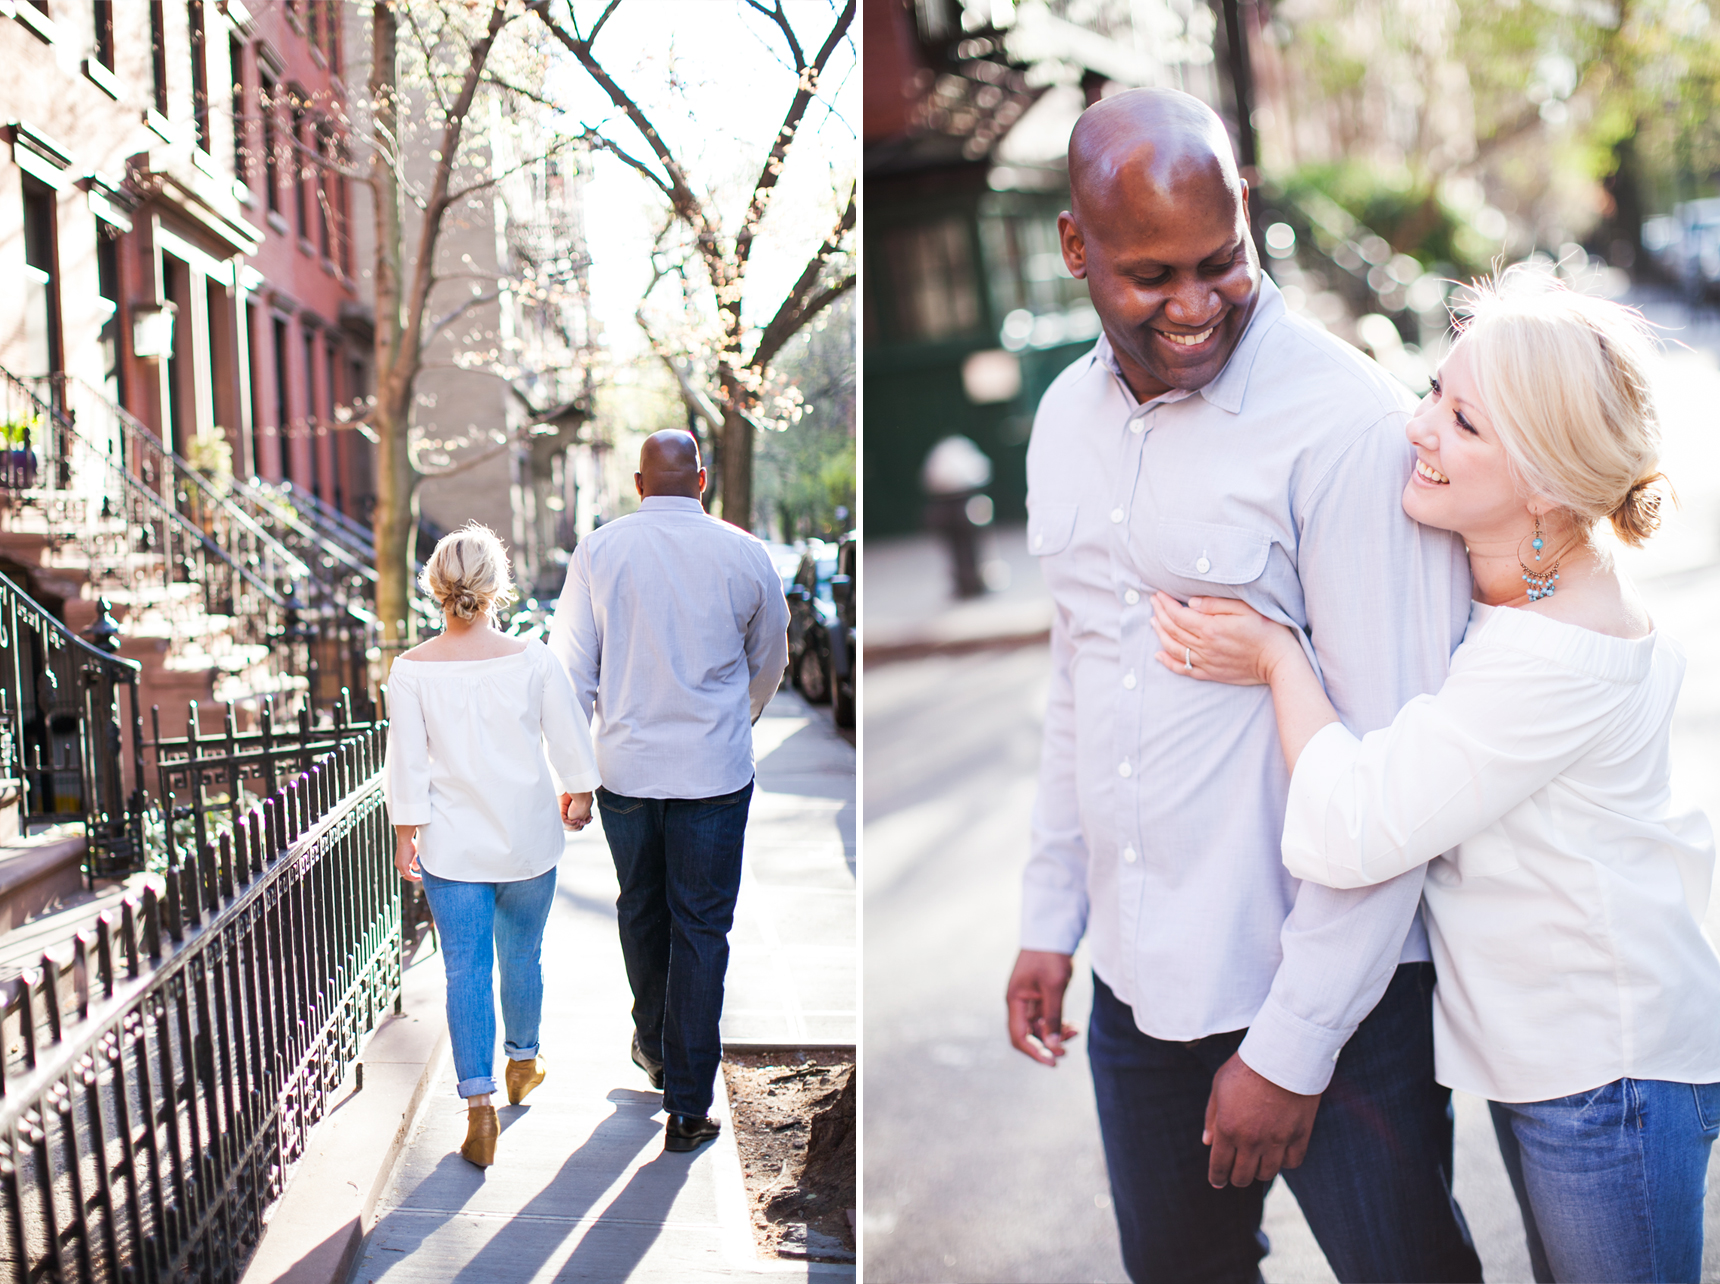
{"points": [[793, 313], [771, 342], [804, 92]]}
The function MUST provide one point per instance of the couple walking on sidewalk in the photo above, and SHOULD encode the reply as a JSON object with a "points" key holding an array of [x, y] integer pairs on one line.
{"points": [[672, 628]]}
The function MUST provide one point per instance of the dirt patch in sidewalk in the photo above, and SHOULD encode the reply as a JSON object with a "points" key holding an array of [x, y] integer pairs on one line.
{"points": [[794, 1127]]}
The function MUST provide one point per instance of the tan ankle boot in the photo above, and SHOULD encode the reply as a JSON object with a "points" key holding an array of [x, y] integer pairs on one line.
{"points": [[481, 1133], [523, 1076]]}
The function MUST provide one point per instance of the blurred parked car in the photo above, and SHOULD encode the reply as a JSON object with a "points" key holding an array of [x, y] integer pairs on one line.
{"points": [[811, 613], [844, 648]]}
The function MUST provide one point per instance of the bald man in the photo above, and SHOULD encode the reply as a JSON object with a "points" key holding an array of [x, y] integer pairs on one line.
{"points": [[674, 629], [1243, 1024]]}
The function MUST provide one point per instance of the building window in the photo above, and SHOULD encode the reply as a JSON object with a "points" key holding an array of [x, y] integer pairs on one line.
{"points": [[283, 457], [320, 187], [271, 141], [331, 353], [310, 355], [107, 285], [199, 72], [236, 59], [158, 53], [41, 283], [931, 276], [104, 32], [302, 220]]}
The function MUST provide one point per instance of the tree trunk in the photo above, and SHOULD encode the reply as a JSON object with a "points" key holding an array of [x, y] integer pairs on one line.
{"points": [[391, 418], [737, 464]]}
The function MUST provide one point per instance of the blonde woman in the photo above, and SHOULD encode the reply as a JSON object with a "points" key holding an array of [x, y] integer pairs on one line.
{"points": [[1564, 896], [483, 732]]}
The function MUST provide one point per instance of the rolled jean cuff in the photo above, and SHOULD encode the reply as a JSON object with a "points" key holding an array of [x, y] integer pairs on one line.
{"points": [[520, 1054], [476, 1087]]}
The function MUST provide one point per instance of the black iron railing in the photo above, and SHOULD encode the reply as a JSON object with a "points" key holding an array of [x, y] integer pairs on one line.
{"points": [[63, 733], [160, 1072]]}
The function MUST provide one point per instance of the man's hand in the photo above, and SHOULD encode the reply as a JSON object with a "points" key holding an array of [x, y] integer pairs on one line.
{"points": [[1035, 999], [576, 811], [1254, 1127], [406, 854]]}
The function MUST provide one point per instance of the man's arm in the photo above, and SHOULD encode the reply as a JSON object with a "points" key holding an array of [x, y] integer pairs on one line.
{"points": [[573, 636], [1054, 884], [766, 636], [1386, 603]]}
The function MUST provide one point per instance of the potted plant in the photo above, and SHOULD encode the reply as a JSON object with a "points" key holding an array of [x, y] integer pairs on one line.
{"points": [[17, 459]]}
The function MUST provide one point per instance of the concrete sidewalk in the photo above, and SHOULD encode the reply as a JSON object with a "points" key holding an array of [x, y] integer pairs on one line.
{"points": [[911, 609], [581, 1188]]}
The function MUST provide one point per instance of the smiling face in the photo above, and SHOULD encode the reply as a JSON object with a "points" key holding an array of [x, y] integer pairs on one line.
{"points": [[1166, 254], [1462, 480]]}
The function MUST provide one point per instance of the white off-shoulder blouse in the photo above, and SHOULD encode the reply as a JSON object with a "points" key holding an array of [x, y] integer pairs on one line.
{"points": [[472, 745], [1565, 896]]}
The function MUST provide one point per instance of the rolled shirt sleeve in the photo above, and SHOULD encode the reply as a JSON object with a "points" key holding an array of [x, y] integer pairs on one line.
{"points": [[1054, 884], [767, 638], [1386, 602], [406, 765], [567, 732]]}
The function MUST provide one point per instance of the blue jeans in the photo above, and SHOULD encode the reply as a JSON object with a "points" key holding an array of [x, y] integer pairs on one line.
{"points": [[1375, 1187], [475, 921], [679, 864], [1611, 1182]]}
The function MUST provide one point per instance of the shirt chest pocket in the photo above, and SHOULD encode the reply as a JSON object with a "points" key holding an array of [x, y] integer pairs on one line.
{"points": [[1209, 553], [1050, 527]]}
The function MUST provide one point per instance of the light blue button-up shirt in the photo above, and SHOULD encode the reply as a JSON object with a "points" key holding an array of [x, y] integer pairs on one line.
{"points": [[1161, 799], [674, 629]]}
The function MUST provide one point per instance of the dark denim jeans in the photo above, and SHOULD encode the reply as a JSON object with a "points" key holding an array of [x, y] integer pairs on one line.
{"points": [[1375, 1187], [679, 864]]}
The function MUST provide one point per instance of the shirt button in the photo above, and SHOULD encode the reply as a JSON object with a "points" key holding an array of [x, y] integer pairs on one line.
{"points": [[1116, 514], [1131, 597], [1039, 541], [1129, 679], [1136, 425], [1203, 566], [1123, 769], [1129, 855]]}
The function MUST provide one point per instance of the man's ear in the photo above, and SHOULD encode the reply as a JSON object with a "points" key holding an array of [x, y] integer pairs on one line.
{"points": [[701, 481], [639, 484], [1074, 246]]}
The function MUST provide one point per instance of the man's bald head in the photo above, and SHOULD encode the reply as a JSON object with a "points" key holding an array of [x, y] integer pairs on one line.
{"points": [[669, 465], [1161, 138], [1158, 228]]}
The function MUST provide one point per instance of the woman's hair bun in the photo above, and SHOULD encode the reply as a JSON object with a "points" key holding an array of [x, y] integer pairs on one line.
{"points": [[467, 574], [1638, 514]]}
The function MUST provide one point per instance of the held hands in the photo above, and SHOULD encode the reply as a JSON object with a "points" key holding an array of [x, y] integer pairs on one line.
{"points": [[1219, 639], [575, 811], [1255, 1128], [1035, 1001]]}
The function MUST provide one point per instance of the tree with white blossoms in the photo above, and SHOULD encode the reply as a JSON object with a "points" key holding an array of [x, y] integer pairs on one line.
{"points": [[438, 68], [728, 349]]}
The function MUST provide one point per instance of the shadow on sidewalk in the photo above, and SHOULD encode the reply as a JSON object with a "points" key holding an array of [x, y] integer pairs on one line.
{"points": [[617, 1242], [535, 1232]]}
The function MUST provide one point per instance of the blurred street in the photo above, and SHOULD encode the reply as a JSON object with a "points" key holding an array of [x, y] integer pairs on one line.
{"points": [[981, 1166]]}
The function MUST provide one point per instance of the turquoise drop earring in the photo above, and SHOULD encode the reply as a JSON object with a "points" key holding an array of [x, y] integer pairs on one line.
{"points": [[1541, 582]]}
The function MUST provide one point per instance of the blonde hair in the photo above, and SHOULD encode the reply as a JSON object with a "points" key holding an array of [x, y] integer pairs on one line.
{"points": [[1565, 378], [467, 573]]}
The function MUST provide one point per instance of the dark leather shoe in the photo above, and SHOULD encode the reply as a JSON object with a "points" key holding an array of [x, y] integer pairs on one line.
{"points": [[689, 1132], [653, 1069]]}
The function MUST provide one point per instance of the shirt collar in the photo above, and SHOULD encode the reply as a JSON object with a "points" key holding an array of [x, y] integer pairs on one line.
{"points": [[1228, 387], [670, 503]]}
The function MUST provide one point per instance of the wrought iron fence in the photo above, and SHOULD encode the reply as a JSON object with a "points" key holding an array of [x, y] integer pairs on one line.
{"points": [[161, 1071], [63, 732]]}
